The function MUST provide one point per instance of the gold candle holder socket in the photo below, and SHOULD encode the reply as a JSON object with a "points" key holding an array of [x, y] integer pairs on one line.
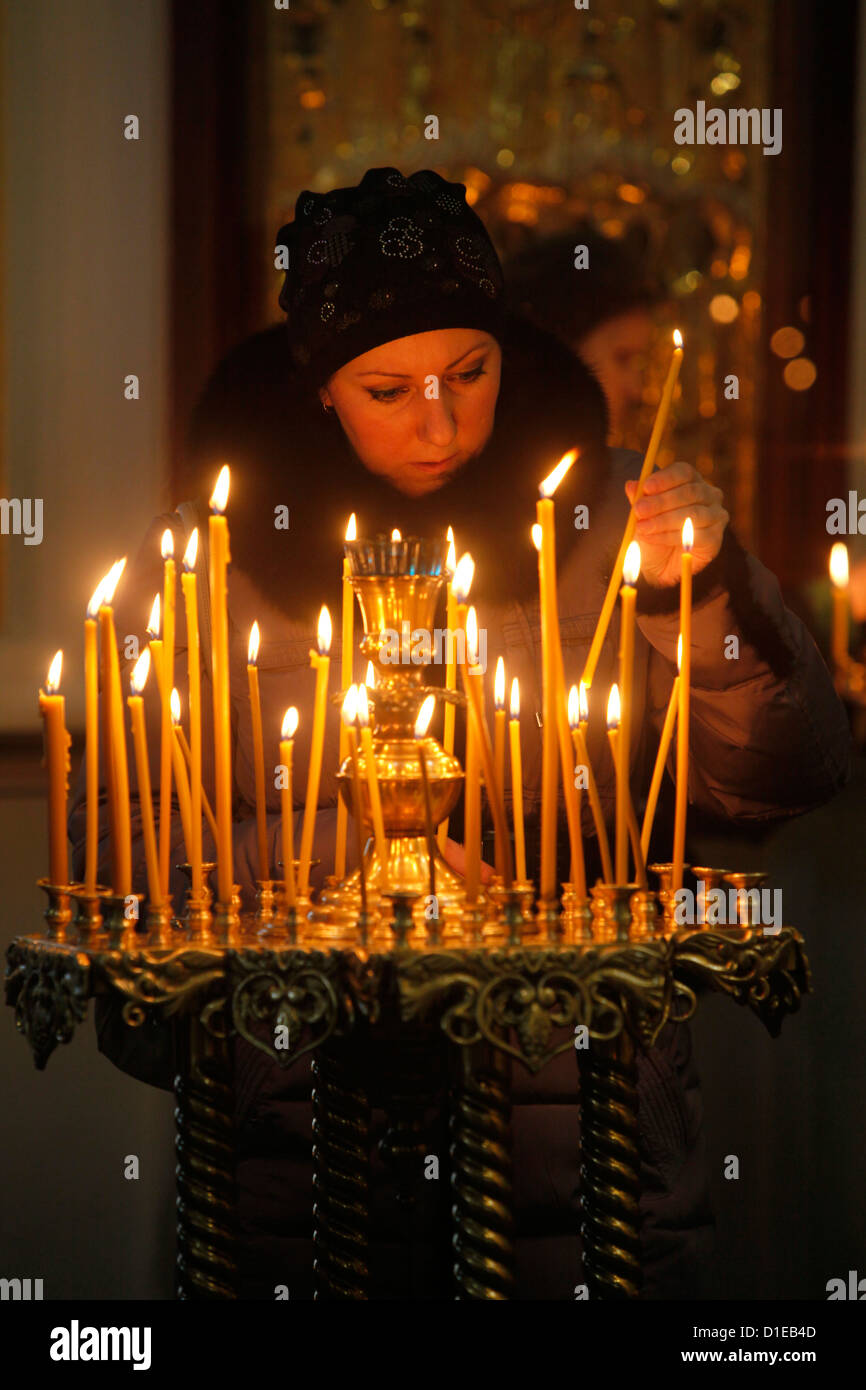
{"points": [[159, 923], [266, 901], [645, 918], [711, 879], [402, 920], [576, 915], [115, 920], [472, 919], [207, 869], [611, 910], [666, 894], [87, 921], [509, 904], [747, 914], [58, 913], [227, 916]]}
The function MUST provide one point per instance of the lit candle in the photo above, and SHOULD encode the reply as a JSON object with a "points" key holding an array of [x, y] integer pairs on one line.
{"points": [[682, 792], [348, 714], [473, 677], [373, 784], [287, 809], [139, 739], [422, 723], [517, 782], [460, 586], [189, 585], [166, 734], [628, 596], [451, 628], [220, 556], [320, 663], [841, 612], [648, 466], [613, 733], [661, 756], [117, 772], [205, 804], [347, 666], [181, 781], [52, 707], [91, 716], [549, 640], [258, 749], [499, 740], [578, 716]]}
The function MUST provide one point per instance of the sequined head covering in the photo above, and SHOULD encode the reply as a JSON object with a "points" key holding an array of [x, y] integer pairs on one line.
{"points": [[390, 258]]}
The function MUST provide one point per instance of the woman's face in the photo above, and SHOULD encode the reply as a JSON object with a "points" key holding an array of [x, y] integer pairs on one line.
{"points": [[415, 410]]}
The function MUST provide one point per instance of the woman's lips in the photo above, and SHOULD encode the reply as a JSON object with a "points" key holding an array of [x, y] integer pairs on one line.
{"points": [[435, 465]]}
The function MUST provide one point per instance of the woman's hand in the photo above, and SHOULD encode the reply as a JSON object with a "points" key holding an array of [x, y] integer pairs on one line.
{"points": [[455, 857], [669, 496]]}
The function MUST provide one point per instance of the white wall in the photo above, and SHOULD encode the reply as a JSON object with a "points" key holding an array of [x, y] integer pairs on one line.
{"points": [[84, 285]]}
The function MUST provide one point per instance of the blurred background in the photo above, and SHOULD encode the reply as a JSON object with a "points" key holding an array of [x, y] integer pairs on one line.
{"points": [[153, 256]]}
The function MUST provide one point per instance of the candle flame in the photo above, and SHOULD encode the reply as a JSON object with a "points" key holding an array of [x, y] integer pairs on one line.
{"points": [[220, 494], [363, 707], [53, 682], [472, 637], [839, 565], [515, 699], [290, 723], [95, 602], [174, 702], [167, 544], [349, 712], [499, 684], [352, 528], [583, 702], [140, 672], [191, 553], [573, 708], [688, 534], [395, 535], [631, 565], [153, 620], [451, 559], [323, 632], [678, 338], [535, 532], [425, 714], [680, 652], [613, 709], [463, 576], [552, 481], [370, 678], [110, 582], [253, 645]]}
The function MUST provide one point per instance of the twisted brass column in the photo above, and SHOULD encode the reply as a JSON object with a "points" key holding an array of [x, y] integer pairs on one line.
{"points": [[610, 1170], [341, 1178], [481, 1178], [205, 1172]]}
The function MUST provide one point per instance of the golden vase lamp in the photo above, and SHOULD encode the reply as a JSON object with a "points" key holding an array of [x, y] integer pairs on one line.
{"points": [[682, 790], [166, 742], [347, 664], [841, 604], [348, 714], [661, 756], [181, 780], [517, 782], [628, 597], [422, 724], [452, 627], [363, 713], [473, 678], [287, 809], [137, 682], [114, 726], [578, 717], [648, 465], [499, 718], [189, 585], [220, 555], [91, 721], [52, 707], [320, 662], [258, 750]]}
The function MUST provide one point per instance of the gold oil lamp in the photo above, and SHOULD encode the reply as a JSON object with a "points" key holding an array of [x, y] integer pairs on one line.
{"points": [[398, 583]]}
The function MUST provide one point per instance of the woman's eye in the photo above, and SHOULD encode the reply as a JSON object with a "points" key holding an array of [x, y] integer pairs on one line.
{"points": [[389, 394], [472, 374]]}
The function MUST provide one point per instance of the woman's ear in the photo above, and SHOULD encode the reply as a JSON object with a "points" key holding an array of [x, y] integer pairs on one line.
{"points": [[324, 397]]}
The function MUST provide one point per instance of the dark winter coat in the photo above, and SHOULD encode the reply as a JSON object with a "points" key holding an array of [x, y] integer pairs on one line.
{"points": [[768, 736]]}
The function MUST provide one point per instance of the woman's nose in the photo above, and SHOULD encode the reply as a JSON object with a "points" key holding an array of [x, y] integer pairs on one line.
{"points": [[437, 425]]}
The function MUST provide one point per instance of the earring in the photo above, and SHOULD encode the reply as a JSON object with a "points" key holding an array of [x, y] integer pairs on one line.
{"points": [[328, 409]]}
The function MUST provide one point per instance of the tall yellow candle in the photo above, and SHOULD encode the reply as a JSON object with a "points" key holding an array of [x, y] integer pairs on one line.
{"points": [[578, 716], [287, 809], [841, 609], [452, 627], [682, 791], [166, 735], [220, 556], [422, 724], [139, 740], [189, 585], [647, 467], [349, 714], [499, 719], [471, 807], [52, 707], [473, 676], [258, 750], [577, 875], [320, 662], [661, 757], [373, 784], [181, 780], [347, 670], [517, 782], [115, 727], [91, 719], [628, 597], [205, 804], [613, 733]]}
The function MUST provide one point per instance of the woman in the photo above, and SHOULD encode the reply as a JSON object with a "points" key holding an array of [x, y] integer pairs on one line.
{"points": [[402, 392]]}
